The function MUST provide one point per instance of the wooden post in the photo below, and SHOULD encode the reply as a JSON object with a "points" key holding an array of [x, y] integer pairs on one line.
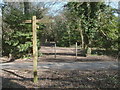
{"points": [[35, 49], [76, 50], [55, 50]]}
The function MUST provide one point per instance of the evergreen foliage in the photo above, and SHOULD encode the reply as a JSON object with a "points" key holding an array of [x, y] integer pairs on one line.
{"points": [[17, 36]]}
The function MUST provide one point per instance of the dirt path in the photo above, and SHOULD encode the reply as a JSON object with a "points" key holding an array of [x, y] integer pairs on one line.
{"points": [[68, 55], [63, 55], [65, 59], [107, 65]]}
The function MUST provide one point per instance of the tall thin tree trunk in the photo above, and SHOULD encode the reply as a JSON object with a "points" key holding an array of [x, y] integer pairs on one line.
{"points": [[82, 39], [69, 35], [119, 25], [26, 8], [81, 34], [1, 35]]}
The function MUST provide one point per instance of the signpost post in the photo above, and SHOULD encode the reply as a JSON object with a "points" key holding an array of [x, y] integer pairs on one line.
{"points": [[35, 49]]}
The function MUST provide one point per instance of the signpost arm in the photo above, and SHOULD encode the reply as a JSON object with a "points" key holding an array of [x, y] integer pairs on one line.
{"points": [[35, 49]]}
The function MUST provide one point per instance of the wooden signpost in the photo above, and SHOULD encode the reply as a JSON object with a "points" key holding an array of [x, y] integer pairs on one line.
{"points": [[34, 22]]}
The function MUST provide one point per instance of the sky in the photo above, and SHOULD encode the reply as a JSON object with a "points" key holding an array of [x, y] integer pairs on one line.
{"points": [[58, 6]]}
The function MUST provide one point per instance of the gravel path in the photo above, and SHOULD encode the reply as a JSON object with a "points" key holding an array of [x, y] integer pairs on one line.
{"points": [[106, 65], [65, 60]]}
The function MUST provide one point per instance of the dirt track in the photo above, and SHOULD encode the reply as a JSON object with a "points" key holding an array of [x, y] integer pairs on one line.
{"points": [[68, 55], [65, 59], [64, 55]]}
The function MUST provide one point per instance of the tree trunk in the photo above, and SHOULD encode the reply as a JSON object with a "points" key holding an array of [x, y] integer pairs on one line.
{"points": [[81, 34], [1, 36], [11, 58], [83, 42], [26, 8], [119, 26], [82, 39]]}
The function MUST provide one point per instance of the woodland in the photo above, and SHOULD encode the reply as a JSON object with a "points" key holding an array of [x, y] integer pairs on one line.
{"points": [[93, 25]]}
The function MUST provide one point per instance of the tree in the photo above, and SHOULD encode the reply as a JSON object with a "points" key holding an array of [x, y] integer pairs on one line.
{"points": [[27, 8], [17, 35], [92, 18]]}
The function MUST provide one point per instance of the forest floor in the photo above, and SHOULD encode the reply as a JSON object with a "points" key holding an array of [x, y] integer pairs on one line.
{"points": [[61, 78], [52, 78]]}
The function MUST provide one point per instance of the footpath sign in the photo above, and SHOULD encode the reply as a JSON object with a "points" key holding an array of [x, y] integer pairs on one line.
{"points": [[34, 22]]}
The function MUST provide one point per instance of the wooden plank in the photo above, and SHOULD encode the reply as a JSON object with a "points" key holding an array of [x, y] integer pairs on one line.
{"points": [[44, 20], [35, 49], [27, 21]]}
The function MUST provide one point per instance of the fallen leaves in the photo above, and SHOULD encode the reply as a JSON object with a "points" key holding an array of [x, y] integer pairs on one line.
{"points": [[62, 79]]}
